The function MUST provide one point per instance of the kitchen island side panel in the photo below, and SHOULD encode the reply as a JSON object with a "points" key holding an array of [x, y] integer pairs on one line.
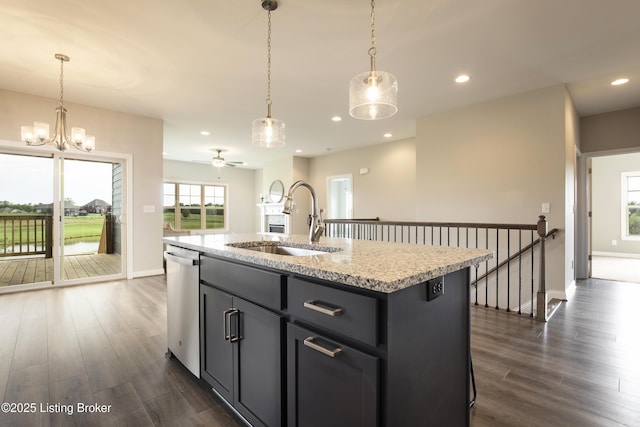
{"points": [[428, 346]]}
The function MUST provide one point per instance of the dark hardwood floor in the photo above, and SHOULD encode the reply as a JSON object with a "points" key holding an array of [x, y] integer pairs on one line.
{"points": [[104, 344]]}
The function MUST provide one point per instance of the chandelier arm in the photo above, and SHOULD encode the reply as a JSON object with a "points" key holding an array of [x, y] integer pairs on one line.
{"points": [[64, 139]]}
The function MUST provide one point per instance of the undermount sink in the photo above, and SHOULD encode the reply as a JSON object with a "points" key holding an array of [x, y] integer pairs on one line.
{"points": [[279, 248]]}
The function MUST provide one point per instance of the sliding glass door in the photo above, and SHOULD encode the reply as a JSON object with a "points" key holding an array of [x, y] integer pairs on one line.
{"points": [[60, 219], [90, 207], [26, 219]]}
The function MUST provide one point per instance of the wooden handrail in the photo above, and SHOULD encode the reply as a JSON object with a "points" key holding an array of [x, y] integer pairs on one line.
{"points": [[513, 257]]}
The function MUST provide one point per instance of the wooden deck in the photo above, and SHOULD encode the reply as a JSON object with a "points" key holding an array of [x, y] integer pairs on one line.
{"points": [[40, 269]]}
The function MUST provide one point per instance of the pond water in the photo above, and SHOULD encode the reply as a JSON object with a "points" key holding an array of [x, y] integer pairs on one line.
{"points": [[77, 248]]}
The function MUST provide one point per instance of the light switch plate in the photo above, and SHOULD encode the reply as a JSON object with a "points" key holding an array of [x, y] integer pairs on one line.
{"points": [[149, 209], [545, 207]]}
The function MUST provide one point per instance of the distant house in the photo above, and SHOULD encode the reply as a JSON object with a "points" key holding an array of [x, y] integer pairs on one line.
{"points": [[8, 210], [45, 209], [97, 206], [69, 209]]}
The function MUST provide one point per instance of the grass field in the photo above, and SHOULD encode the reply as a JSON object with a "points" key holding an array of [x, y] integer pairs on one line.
{"points": [[192, 222]]}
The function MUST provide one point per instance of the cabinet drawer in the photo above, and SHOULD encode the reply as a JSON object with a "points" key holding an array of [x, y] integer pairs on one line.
{"points": [[260, 286], [329, 383], [347, 313]]}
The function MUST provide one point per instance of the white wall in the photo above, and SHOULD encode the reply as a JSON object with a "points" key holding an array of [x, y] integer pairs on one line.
{"points": [[241, 209], [571, 146], [115, 132], [498, 162], [387, 190]]}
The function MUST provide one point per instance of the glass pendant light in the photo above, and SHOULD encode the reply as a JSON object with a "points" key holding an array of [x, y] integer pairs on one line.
{"points": [[373, 94], [268, 132]]}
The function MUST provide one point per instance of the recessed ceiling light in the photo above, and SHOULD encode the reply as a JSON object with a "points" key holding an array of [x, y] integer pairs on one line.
{"points": [[387, 135], [205, 133], [336, 118], [619, 82], [164, 153], [463, 78], [298, 151]]}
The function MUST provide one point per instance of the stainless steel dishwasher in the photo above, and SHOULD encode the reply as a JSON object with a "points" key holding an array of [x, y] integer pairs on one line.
{"points": [[183, 330]]}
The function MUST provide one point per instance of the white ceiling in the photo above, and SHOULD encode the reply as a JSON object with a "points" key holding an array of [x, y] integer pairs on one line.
{"points": [[201, 64]]}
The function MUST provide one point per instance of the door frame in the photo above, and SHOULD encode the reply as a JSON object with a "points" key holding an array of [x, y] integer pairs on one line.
{"points": [[9, 147], [332, 178], [127, 249]]}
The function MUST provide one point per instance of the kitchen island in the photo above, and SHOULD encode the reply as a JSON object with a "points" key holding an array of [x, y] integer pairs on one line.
{"points": [[342, 333]]}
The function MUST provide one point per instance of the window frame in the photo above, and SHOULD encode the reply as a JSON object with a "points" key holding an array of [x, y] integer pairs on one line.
{"points": [[177, 223], [624, 205]]}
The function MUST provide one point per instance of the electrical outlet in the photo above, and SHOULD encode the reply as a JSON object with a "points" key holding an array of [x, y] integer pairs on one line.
{"points": [[435, 288], [614, 243]]}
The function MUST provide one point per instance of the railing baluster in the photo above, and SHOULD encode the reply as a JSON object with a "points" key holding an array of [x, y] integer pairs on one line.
{"points": [[520, 272], [532, 276], [486, 277], [508, 270], [497, 262], [477, 266]]}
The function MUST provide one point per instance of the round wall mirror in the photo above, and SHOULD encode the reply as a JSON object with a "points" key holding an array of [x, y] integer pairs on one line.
{"points": [[276, 191]]}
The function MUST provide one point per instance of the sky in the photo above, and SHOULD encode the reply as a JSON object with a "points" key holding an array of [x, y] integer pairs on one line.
{"points": [[25, 179]]}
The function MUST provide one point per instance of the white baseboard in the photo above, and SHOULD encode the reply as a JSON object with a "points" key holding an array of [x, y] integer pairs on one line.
{"points": [[615, 254], [137, 274]]}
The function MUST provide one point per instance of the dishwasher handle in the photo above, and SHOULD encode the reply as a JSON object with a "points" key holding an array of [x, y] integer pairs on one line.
{"points": [[180, 260]]}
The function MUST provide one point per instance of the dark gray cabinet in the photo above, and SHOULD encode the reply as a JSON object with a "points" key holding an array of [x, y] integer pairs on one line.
{"points": [[241, 355], [329, 383], [347, 356]]}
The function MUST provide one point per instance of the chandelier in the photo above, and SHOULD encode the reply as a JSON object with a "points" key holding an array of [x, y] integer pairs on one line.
{"points": [[268, 132], [38, 134], [373, 94]]}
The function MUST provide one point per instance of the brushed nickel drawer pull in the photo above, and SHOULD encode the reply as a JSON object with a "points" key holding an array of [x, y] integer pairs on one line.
{"points": [[310, 342], [311, 304], [235, 336], [225, 324]]}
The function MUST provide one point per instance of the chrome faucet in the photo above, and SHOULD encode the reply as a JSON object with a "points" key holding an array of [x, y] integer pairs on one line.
{"points": [[316, 228]]}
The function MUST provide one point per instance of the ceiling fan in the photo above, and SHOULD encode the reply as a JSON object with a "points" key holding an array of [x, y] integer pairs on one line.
{"points": [[219, 161]]}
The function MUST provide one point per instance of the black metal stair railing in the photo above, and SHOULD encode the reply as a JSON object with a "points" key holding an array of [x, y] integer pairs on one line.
{"points": [[512, 280]]}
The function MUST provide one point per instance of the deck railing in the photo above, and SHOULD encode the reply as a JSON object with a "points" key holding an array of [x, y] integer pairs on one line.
{"points": [[512, 280], [26, 235]]}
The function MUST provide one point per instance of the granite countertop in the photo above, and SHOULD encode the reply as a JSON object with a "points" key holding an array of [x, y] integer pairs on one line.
{"points": [[377, 266]]}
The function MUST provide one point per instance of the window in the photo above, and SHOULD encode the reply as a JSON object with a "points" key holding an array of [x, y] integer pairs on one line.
{"points": [[631, 205], [194, 206]]}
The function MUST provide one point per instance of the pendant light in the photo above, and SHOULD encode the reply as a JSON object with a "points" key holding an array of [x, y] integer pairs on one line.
{"points": [[38, 134], [373, 94], [268, 132]]}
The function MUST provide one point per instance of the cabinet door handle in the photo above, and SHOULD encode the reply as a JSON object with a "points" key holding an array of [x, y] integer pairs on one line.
{"points": [[310, 342], [311, 304], [225, 324], [236, 315]]}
